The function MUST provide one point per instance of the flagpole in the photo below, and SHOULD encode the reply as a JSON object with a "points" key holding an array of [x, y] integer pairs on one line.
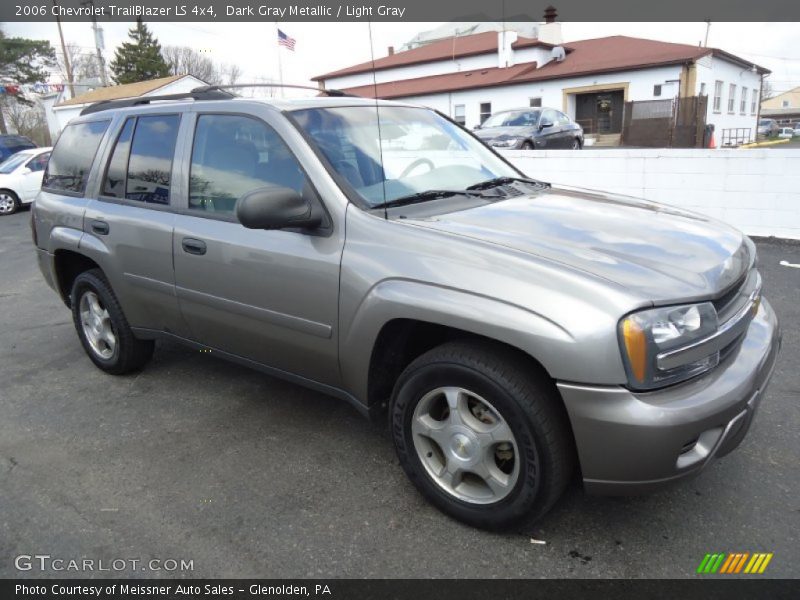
{"points": [[280, 66]]}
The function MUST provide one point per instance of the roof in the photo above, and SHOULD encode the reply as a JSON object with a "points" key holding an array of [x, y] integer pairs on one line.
{"points": [[459, 47], [600, 55], [117, 92]]}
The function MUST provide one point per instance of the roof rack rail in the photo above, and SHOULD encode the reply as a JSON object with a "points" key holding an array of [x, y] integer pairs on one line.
{"points": [[199, 94], [209, 88]]}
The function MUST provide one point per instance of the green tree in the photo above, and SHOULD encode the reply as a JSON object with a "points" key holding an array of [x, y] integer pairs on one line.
{"points": [[140, 58], [22, 61]]}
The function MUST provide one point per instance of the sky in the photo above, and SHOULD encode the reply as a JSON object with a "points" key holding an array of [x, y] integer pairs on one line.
{"points": [[324, 47]]}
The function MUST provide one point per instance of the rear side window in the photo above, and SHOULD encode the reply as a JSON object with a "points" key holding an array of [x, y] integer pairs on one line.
{"points": [[140, 167], [71, 160]]}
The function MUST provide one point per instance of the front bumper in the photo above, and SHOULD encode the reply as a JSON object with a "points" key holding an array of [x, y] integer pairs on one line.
{"points": [[632, 442]]}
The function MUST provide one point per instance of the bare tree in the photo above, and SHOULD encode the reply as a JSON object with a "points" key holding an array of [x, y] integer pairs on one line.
{"points": [[183, 60], [766, 91], [28, 120], [82, 60], [230, 73]]}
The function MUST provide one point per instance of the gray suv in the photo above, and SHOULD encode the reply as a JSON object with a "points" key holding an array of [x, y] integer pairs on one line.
{"points": [[513, 333]]}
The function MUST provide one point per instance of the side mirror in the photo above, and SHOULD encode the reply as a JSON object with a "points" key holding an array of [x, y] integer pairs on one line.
{"points": [[25, 170], [545, 123], [276, 208]]}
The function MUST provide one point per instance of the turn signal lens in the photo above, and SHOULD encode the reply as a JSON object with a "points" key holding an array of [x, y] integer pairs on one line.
{"points": [[636, 348]]}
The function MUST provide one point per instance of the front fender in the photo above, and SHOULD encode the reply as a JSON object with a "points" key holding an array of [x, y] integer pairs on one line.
{"points": [[394, 299]]}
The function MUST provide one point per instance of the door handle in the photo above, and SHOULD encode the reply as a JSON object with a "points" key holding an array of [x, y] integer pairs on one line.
{"points": [[193, 246], [100, 227]]}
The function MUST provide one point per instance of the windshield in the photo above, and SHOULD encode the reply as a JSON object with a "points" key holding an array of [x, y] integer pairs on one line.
{"points": [[407, 151], [513, 118], [13, 161]]}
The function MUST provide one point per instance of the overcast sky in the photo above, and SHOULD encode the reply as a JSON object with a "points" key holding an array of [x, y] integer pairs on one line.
{"points": [[323, 47]]}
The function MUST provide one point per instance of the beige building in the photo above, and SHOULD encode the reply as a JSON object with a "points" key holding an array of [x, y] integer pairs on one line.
{"points": [[784, 108]]}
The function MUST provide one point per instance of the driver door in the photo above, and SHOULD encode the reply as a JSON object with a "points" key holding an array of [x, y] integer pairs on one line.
{"points": [[269, 296]]}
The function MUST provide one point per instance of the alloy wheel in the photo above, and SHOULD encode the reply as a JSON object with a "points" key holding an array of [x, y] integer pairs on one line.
{"points": [[96, 324]]}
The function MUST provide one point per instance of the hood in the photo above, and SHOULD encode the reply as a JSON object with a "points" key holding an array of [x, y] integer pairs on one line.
{"points": [[661, 253], [496, 132]]}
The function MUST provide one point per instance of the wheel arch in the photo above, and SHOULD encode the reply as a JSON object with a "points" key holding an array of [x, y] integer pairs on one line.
{"points": [[68, 265]]}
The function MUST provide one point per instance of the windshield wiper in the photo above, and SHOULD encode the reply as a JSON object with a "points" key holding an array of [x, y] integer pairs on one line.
{"points": [[431, 195], [498, 181]]}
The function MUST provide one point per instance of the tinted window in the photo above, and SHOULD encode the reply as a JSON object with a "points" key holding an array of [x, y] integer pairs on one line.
{"points": [[39, 163], [71, 160], [233, 155], [114, 181], [550, 115], [150, 161]]}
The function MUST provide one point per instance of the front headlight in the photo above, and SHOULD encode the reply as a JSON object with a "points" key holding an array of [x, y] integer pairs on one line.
{"points": [[506, 143], [646, 334]]}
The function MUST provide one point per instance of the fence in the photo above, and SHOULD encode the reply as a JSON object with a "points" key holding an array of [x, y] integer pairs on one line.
{"points": [[757, 191], [671, 123]]}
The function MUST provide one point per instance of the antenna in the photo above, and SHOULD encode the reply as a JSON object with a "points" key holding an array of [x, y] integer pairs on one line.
{"points": [[378, 115]]}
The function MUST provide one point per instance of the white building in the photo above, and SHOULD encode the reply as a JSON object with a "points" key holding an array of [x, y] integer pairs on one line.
{"points": [[63, 111], [470, 77]]}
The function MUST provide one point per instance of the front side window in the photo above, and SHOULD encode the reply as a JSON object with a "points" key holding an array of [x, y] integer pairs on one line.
{"points": [[233, 155], [39, 163], [394, 152], [71, 160], [717, 96], [486, 111]]}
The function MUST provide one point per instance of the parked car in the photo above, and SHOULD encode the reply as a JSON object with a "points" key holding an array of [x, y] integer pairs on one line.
{"points": [[21, 178], [796, 129], [510, 330], [529, 128], [767, 127], [786, 132], [11, 144]]}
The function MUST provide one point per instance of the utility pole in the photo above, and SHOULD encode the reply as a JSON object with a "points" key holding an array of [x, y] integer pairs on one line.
{"points": [[708, 28], [98, 42], [67, 66]]}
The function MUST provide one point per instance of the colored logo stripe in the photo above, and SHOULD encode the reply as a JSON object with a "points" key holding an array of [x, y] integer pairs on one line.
{"points": [[735, 562]]}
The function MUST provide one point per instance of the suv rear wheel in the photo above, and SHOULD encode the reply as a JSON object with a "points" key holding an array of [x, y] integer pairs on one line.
{"points": [[481, 437], [102, 328]]}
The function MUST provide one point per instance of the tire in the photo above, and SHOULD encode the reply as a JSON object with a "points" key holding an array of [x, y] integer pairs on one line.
{"points": [[9, 202], [527, 145], [576, 144], [96, 313], [521, 400]]}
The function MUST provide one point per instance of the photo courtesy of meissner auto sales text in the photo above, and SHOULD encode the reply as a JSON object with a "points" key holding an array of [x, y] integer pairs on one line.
{"points": [[408, 300]]}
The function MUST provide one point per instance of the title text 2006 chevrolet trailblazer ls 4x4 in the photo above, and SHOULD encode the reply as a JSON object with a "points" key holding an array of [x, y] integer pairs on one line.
{"points": [[380, 253]]}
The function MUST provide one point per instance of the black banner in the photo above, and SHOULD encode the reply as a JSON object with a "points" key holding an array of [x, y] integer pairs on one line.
{"points": [[399, 589], [397, 10]]}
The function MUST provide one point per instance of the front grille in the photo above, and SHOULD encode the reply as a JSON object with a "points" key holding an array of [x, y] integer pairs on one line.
{"points": [[729, 295]]}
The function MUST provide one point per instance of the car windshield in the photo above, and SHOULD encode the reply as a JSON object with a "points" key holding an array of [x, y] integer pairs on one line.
{"points": [[13, 161], [513, 118], [406, 152], [764, 122]]}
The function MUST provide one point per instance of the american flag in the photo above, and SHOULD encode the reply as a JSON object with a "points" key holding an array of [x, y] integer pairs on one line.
{"points": [[285, 40]]}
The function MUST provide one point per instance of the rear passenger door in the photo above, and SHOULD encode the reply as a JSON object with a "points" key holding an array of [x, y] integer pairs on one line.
{"points": [[131, 222], [267, 296]]}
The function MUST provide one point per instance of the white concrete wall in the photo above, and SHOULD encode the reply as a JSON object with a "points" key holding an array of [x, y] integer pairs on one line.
{"points": [[757, 191], [712, 69]]}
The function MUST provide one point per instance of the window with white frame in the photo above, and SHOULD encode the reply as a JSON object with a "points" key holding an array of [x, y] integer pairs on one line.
{"points": [[703, 88], [743, 102], [460, 114], [717, 96], [753, 102], [732, 98], [784, 104], [486, 111]]}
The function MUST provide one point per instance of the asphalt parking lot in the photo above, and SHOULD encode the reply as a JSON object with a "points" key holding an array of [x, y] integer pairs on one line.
{"points": [[248, 476]]}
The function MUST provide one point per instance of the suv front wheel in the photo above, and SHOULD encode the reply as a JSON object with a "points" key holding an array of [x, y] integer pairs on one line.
{"points": [[482, 435], [102, 327]]}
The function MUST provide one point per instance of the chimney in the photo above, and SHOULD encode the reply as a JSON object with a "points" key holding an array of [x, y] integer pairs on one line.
{"points": [[391, 50], [550, 31], [505, 51]]}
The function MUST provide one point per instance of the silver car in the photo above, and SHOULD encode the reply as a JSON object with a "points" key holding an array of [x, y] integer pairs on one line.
{"points": [[512, 333]]}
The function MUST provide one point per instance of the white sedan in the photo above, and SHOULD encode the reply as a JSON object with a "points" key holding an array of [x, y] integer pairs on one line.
{"points": [[21, 178]]}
